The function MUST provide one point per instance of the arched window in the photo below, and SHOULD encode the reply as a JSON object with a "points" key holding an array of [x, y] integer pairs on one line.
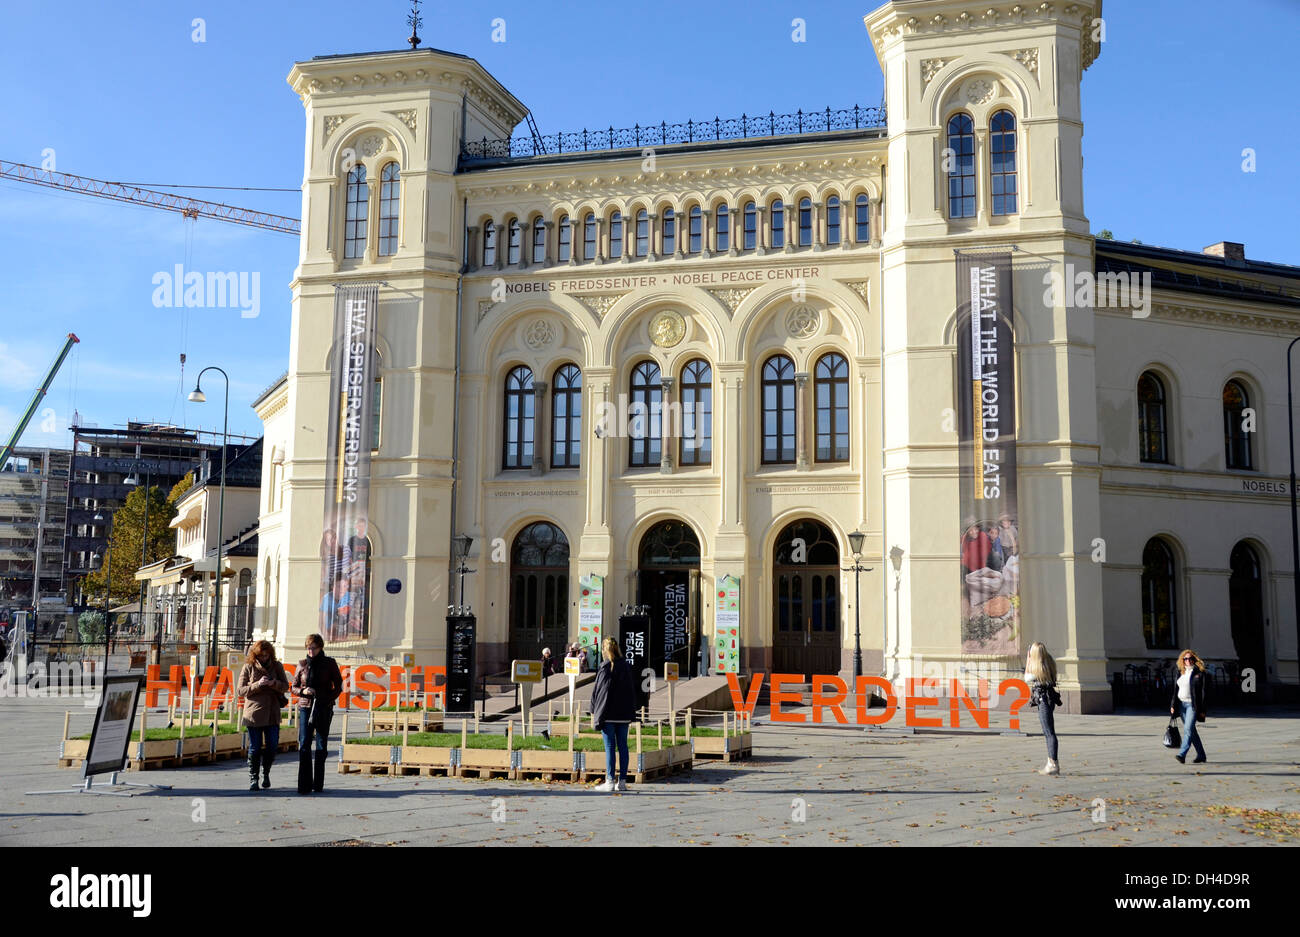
{"points": [[489, 243], [644, 411], [832, 394], [669, 233], [615, 235], [1153, 444], [751, 226], [517, 437], [833, 220], [565, 243], [589, 237], [778, 411], [539, 240], [805, 222], [778, 223], [960, 159], [566, 417], [696, 231], [513, 237], [1159, 610], [642, 233], [721, 228], [697, 414], [862, 220], [358, 212], [376, 401], [1236, 439], [1002, 162], [390, 192]]}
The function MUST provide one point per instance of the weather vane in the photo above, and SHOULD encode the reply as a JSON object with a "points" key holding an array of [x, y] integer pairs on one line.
{"points": [[413, 20]]}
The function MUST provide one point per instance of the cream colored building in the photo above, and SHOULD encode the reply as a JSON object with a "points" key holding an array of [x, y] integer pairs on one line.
{"points": [[802, 296]]}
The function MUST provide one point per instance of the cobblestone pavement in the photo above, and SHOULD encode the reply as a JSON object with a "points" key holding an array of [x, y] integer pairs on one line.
{"points": [[805, 786]]}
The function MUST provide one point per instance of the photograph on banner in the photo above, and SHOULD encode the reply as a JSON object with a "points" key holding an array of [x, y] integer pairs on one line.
{"points": [[591, 609], [726, 632], [345, 565], [989, 545]]}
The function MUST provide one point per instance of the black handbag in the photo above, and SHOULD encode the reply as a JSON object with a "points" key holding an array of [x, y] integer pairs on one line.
{"points": [[1173, 738]]}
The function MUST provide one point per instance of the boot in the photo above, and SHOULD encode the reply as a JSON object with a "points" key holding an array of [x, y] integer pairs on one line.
{"points": [[268, 758], [318, 779], [254, 758], [1050, 768], [304, 771]]}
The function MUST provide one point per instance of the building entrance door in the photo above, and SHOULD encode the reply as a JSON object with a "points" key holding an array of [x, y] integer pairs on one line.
{"points": [[806, 601], [539, 592], [1246, 610], [668, 583]]}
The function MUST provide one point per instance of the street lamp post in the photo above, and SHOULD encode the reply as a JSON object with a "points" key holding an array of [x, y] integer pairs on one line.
{"points": [[895, 560], [855, 543], [463, 543], [197, 396], [1295, 524]]}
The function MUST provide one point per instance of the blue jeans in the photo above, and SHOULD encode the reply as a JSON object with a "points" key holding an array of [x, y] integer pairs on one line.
{"points": [[615, 734], [321, 732], [258, 735], [1187, 712]]}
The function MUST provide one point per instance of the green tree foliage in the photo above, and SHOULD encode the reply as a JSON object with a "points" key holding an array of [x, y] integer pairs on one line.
{"points": [[128, 534], [1106, 234], [90, 627]]}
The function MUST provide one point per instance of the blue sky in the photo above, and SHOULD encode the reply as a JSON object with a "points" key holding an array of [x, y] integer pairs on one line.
{"points": [[121, 91]]}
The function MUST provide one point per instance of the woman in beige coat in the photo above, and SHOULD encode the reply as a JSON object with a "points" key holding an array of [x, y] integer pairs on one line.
{"points": [[263, 685]]}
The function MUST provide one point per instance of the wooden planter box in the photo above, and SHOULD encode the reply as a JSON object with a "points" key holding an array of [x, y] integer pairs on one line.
{"points": [[726, 747], [196, 745], [426, 757], [354, 753], [392, 722], [229, 743], [486, 762]]}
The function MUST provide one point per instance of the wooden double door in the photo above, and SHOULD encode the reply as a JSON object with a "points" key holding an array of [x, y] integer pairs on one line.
{"points": [[806, 601]]}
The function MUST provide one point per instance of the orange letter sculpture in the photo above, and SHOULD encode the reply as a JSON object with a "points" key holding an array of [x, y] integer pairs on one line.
{"points": [[744, 706], [887, 691], [776, 697], [914, 701], [820, 701], [980, 711]]}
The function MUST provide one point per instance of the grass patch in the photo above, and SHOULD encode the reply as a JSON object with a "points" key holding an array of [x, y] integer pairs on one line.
{"points": [[533, 743], [163, 734], [1281, 825]]}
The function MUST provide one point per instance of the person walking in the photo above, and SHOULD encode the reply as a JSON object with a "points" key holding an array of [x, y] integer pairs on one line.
{"points": [[262, 684], [1188, 703], [317, 683], [1040, 674], [613, 704]]}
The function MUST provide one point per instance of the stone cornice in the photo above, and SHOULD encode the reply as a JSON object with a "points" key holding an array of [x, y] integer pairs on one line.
{"points": [[1199, 315]]}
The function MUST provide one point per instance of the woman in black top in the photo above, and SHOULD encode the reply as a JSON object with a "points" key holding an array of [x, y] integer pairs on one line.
{"points": [[613, 706], [1188, 702], [317, 682]]}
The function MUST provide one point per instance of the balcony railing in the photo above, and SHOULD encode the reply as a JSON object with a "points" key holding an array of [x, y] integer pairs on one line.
{"points": [[744, 127]]}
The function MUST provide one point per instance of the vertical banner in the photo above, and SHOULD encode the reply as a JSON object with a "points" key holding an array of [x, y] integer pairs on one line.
{"points": [[726, 632], [591, 610], [345, 544], [986, 433]]}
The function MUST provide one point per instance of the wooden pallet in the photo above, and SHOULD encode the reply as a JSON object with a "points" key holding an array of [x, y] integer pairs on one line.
{"points": [[486, 774]]}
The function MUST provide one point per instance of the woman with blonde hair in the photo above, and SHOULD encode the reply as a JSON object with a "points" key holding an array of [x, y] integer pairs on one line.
{"points": [[263, 685], [613, 705], [1188, 702], [1040, 674]]}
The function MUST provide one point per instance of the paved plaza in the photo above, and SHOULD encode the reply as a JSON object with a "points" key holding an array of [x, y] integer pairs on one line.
{"points": [[805, 786]]}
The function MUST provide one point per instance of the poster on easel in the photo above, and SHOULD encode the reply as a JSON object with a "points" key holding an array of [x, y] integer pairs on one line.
{"points": [[591, 611], [113, 720], [726, 634]]}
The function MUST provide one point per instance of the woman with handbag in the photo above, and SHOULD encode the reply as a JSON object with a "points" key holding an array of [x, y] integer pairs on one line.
{"points": [[613, 706], [1188, 703], [262, 684], [1040, 674], [317, 683]]}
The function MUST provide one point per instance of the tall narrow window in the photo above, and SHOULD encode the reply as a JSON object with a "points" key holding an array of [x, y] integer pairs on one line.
{"points": [[721, 228], [489, 243], [1152, 436], [517, 444], [778, 224], [697, 414], [390, 192], [566, 417], [642, 233], [358, 211], [1236, 438], [376, 402], [1159, 609], [805, 222], [615, 235], [778, 410], [644, 415], [589, 237], [539, 240], [751, 226], [1002, 162], [513, 237], [862, 220], [960, 157], [696, 230], [832, 393], [833, 220], [670, 233], [565, 242]]}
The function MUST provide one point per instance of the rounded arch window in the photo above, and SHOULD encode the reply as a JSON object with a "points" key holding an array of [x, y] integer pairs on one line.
{"points": [[1238, 421], [357, 213], [1153, 441], [960, 166], [1159, 607]]}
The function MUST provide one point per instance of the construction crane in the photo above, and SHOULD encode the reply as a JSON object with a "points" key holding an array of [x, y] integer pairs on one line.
{"points": [[36, 400], [166, 201]]}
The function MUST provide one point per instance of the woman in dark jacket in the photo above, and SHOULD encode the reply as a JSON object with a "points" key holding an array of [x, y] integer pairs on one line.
{"points": [[317, 683], [1188, 703], [262, 684], [613, 705]]}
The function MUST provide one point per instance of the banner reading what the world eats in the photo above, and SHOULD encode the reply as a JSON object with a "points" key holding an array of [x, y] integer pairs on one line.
{"points": [[986, 431], [345, 544]]}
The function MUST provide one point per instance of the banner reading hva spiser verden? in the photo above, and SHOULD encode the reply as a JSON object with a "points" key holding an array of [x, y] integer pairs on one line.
{"points": [[986, 429], [345, 543]]}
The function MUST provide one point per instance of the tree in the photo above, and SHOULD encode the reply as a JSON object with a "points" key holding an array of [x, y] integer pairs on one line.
{"points": [[126, 538], [1106, 234]]}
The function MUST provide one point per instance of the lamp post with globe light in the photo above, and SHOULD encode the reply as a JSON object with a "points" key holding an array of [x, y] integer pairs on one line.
{"points": [[856, 540], [197, 396]]}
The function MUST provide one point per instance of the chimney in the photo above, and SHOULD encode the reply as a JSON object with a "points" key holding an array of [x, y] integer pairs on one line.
{"points": [[1228, 250]]}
